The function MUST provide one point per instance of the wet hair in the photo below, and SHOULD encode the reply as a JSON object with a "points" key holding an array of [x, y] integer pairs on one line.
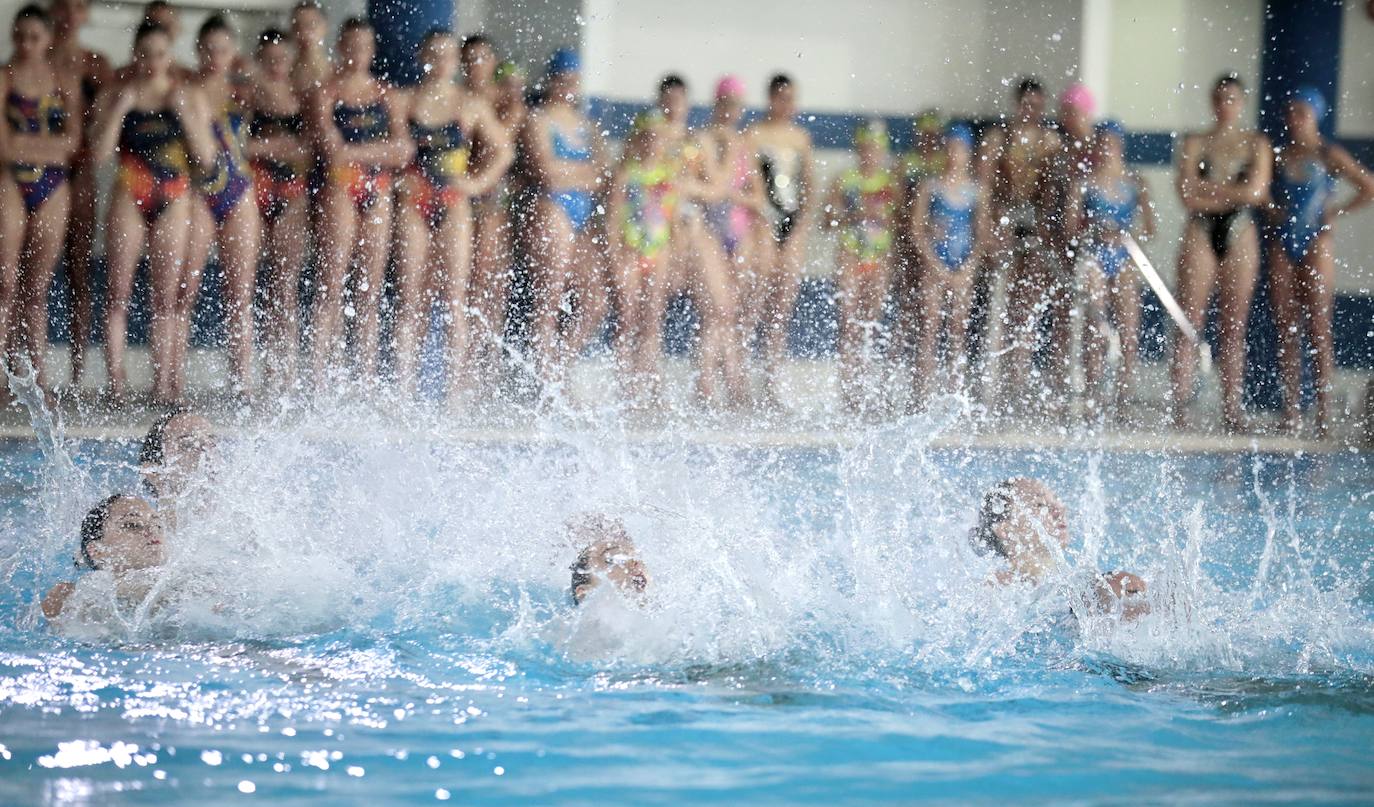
{"points": [[149, 9], [93, 529], [356, 24], [215, 24], [581, 573], [1228, 80], [433, 34], [149, 27], [672, 81], [272, 36], [1028, 85], [778, 82], [996, 508], [33, 11], [153, 451], [473, 40]]}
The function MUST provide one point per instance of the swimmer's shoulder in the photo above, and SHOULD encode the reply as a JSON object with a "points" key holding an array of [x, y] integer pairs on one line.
{"points": [[56, 599]]}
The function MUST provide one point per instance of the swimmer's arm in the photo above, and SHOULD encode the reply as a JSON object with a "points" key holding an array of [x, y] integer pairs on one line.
{"points": [[498, 152], [806, 196], [322, 129], [832, 210], [1197, 194], [113, 103], [752, 195], [1348, 168], [56, 598], [1255, 190], [1145, 209], [191, 107], [1121, 589]]}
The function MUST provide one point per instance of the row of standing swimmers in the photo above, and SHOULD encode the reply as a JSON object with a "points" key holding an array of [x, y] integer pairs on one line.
{"points": [[126, 540], [452, 181]]}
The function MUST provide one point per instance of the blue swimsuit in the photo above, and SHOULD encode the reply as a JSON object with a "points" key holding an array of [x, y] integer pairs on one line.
{"points": [[1303, 200], [577, 204], [1107, 219], [953, 225]]}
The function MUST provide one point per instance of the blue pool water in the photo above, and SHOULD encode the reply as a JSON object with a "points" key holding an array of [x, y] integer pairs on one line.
{"points": [[386, 620]]}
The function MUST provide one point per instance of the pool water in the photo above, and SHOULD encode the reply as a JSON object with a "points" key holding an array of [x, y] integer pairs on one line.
{"points": [[386, 620]]}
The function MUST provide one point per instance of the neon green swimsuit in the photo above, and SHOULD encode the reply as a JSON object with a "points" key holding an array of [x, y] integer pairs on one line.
{"points": [[869, 202], [650, 198]]}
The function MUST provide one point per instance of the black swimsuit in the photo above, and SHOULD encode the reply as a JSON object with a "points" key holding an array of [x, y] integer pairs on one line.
{"points": [[1219, 225]]}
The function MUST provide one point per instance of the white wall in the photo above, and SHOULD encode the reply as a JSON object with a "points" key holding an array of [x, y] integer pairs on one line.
{"points": [[1355, 118]]}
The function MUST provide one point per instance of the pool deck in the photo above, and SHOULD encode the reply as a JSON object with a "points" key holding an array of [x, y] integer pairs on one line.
{"points": [[807, 416]]}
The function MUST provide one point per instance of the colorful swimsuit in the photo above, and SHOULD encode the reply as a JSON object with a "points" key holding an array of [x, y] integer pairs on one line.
{"points": [[278, 183], [577, 204], [952, 222], [869, 202], [36, 116], [228, 180], [1107, 218], [1302, 196], [364, 184], [650, 199], [441, 158], [153, 166], [730, 220]]}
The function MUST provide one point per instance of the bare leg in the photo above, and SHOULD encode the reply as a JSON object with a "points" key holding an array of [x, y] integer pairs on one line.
{"points": [[48, 227], [413, 249], [286, 242], [337, 226], [1236, 288], [1197, 271], [784, 289], [240, 250], [928, 294], [492, 262], [374, 242], [125, 233], [451, 262], [551, 274], [1125, 298], [80, 244], [1316, 292], [166, 270], [13, 223]]}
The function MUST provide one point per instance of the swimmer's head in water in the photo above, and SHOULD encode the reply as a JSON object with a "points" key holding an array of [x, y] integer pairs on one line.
{"points": [[1023, 522], [1030, 98], [175, 447], [121, 533], [1306, 108], [1109, 140], [959, 138], [609, 555], [870, 138], [1228, 97]]}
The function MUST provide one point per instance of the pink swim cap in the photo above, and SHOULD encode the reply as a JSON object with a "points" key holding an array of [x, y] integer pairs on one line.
{"points": [[1079, 97], [729, 86]]}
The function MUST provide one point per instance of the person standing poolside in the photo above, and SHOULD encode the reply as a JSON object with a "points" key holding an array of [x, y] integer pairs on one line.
{"points": [[924, 160], [158, 124], [698, 261], [43, 112], [863, 205], [313, 65], [737, 217], [1021, 153], [434, 211], [783, 149], [226, 216], [280, 156], [121, 537], [502, 87], [950, 227], [93, 72], [563, 155], [1110, 203], [360, 132], [1223, 177], [643, 195], [1301, 260], [1024, 524], [1067, 173]]}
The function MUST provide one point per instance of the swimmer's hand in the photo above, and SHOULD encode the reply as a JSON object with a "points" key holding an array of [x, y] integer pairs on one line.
{"points": [[56, 599], [1123, 588]]}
